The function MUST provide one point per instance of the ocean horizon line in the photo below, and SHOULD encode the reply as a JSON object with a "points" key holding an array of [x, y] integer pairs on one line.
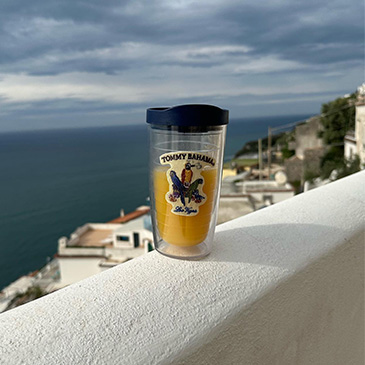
{"points": [[140, 124]]}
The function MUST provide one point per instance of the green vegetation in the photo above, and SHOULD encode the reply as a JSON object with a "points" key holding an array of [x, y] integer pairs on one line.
{"points": [[297, 186], [240, 162], [253, 146], [287, 153], [283, 141], [338, 118], [310, 175], [350, 167], [280, 140], [332, 161], [32, 293]]}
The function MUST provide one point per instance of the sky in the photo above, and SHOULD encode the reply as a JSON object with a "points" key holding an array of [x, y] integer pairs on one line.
{"points": [[74, 63]]}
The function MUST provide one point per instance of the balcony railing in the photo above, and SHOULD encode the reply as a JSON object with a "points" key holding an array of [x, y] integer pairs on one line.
{"points": [[284, 285]]}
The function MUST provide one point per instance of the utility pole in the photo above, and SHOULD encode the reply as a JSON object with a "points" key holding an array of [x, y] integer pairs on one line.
{"points": [[269, 153], [260, 159]]}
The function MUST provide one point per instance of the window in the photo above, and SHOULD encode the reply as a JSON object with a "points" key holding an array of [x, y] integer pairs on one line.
{"points": [[123, 238], [136, 239]]}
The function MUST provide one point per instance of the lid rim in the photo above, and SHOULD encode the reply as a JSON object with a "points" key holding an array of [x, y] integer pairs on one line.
{"points": [[188, 115]]}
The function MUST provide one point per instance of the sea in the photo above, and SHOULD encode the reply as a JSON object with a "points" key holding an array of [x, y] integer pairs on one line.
{"points": [[53, 181]]}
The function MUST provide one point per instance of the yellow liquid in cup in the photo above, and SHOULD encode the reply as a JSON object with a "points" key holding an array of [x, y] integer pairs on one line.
{"points": [[184, 230]]}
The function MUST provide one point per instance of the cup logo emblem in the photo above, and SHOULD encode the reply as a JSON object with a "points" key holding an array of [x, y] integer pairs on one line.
{"points": [[186, 181]]}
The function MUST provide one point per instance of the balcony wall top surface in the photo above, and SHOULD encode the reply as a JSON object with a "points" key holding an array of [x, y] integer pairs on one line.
{"points": [[159, 310]]}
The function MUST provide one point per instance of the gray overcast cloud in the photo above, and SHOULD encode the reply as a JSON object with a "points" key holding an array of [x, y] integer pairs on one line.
{"points": [[80, 63]]}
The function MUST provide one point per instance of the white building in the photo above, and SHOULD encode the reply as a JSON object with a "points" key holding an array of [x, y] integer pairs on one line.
{"points": [[354, 142], [268, 192], [260, 191], [360, 124], [306, 137], [95, 247], [240, 196], [350, 145]]}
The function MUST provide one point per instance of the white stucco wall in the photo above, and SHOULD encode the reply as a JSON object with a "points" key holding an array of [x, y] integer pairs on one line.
{"points": [[75, 269], [275, 196], [91, 251], [129, 253], [128, 229], [283, 285], [360, 132], [350, 150]]}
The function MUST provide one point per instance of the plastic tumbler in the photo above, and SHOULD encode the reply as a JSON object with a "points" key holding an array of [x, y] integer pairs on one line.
{"points": [[186, 158]]}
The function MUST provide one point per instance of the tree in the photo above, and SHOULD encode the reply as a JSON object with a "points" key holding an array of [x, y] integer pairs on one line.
{"points": [[252, 146], [338, 118], [332, 160]]}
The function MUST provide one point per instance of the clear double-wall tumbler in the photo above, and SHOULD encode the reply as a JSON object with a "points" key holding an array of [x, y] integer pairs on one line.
{"points": [[186, 156]]}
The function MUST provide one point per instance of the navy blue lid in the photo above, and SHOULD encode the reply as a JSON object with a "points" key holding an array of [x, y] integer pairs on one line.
{"points": [[188, 115]]}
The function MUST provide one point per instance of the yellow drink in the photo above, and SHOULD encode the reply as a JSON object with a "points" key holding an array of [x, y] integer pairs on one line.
{"points": [[184, 230]]}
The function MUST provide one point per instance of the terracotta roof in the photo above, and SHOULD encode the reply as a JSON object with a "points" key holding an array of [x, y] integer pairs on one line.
{"points": [[33, 274], [133, 215]]}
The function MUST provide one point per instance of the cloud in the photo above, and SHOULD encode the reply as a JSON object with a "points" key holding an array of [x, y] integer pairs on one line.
{"points": [[138, 53], [40, 32]]}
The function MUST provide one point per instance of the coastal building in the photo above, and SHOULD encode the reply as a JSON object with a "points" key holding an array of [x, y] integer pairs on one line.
{"points": [[360, 124], [306, 137], [312, 160], [309, 149], [241, 196], [350, 145], [95, 247], [268, 192], [229, 172], [234, 206], [354, 141], [233, 203], [91, 249], [294, 168]]}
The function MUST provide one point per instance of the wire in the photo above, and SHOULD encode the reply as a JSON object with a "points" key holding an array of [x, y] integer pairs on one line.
{"points": [[284, 126]]}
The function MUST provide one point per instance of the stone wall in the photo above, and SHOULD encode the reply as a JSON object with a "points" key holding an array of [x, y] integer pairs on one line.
{"points": [[306, 136], [312, 160], [294, 169]]}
